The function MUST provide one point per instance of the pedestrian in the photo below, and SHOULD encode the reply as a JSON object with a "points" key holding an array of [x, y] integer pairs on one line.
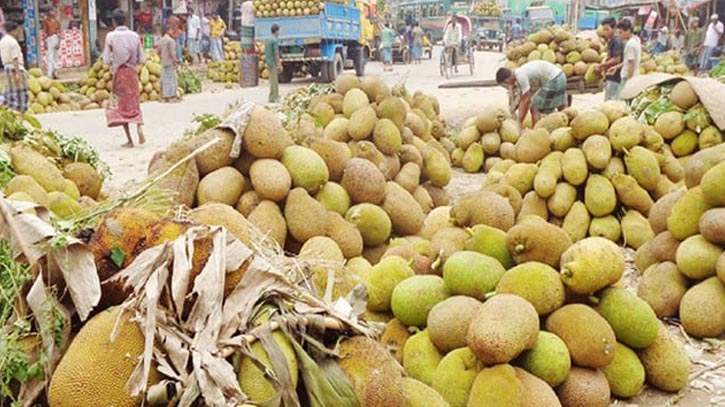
{"points": [[193, 34], [693, 40], [386, 42], [123, 53], [167, 53], [274, 64], [712, 39], [145, 19], [662, 44], [452, 38], [217, 28], [2, 22], [51, 28], [517, 29], [632, 53], [247, 34], [417, 42], [205, 45], [677, 42], [615, 51], [180, 37], [542, 86], [15, 93]]}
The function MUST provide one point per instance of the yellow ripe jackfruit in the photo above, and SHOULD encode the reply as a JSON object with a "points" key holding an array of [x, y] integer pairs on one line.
{"points": [[95, 369]]}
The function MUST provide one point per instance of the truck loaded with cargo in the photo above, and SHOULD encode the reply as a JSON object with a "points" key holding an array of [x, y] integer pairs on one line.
{"points": [[322, 44]]}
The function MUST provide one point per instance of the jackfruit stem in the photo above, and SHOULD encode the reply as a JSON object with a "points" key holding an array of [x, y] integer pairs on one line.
{"points": [[520, 248]]}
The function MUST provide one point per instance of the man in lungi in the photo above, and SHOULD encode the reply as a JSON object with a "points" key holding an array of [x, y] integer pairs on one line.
{"points": [[15, 94], [167, 53], [123, 53], [542, 86], [274, 63], [247, 34]]}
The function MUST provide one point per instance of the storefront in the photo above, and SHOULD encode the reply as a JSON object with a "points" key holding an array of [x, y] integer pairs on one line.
{"points": [[73, 50]]}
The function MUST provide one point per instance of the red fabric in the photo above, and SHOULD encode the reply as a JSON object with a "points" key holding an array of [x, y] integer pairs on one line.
{"points": [[145, 18], [125, 105]]}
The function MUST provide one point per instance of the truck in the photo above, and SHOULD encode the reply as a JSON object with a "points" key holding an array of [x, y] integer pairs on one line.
{"points": [[536, 18], [339, 37]]}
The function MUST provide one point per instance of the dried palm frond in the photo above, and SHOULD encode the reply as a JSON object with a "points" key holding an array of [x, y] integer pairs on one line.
{"points": [[195, 347]]}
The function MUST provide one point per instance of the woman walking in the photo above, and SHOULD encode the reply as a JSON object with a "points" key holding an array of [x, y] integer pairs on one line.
{"points": [[417, 42]]}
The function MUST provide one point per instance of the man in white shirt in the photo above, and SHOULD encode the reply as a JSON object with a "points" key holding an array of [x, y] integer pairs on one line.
{"points": [[15, 92], [452, 38], [247, 34], [712, 39], [542, 86], [632, 53], [193, 34]]}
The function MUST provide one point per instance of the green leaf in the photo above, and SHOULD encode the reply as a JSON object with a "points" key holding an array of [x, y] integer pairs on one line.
{"points": [[117, 256]]}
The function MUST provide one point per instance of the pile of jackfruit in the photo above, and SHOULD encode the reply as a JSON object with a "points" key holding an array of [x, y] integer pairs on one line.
{"points": [[488, 298], [49, 95], [96, 87], [575, 56]]}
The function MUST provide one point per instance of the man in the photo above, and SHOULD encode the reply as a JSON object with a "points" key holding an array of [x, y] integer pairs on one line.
{"points": [[15, 94], [452, 38], [274, 63], [205, 44], [193, 33], [632, 53], [167, 53], [51, 27], [217, 28], [712, 39], [693, 39], [386, 42], [615, 50], [123, 53], [517, 30], [247, 34], [663, 41], [542, 86], [677, 42]]}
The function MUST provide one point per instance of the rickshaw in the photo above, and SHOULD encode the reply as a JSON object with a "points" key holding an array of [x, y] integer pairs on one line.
{"points": [[465, 53]]}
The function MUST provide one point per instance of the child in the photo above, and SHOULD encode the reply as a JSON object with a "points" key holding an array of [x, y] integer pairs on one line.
{"points": [[167, 52]]}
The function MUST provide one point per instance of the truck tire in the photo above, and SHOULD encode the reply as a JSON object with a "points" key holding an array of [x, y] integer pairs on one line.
{"points": [[325, 72], [286, 75], [359, 62], [336, 68]]}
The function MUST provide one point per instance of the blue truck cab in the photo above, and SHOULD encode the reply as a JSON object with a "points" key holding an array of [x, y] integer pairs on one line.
{"points": [[324, 44]]}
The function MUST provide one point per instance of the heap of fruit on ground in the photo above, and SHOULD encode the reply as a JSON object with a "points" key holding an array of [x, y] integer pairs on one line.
{"points": [[362, 165], [594, 173], [575, 56], [61, 174]]}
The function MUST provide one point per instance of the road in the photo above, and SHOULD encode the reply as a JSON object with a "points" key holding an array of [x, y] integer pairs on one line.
{"points": [[167, 122]]}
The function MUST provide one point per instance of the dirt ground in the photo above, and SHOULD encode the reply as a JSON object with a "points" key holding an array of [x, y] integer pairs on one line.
{"points": [[167, 122]]}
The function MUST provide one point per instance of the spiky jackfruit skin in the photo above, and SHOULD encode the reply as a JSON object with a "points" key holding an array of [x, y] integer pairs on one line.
{"points": [[122, 229], [373, 372], [95, 369]]}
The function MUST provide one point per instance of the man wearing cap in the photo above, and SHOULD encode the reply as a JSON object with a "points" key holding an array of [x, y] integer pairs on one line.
{"points": [[693, 39], [712, 38]]}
